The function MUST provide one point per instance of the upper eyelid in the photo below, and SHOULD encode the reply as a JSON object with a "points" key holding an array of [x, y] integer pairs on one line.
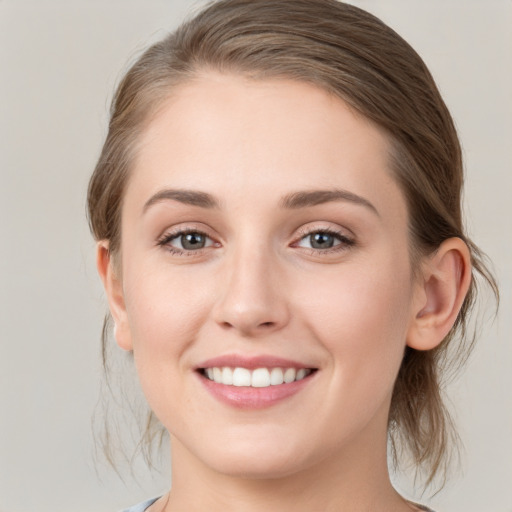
{"points": [[177, 234], [192, 227], [340, 231]]}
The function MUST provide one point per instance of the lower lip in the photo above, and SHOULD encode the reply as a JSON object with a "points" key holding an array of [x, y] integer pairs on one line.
{"points": [[254, 398]]}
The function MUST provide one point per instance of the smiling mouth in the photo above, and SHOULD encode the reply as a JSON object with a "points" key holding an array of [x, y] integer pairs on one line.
{"points": [[256, 378]]}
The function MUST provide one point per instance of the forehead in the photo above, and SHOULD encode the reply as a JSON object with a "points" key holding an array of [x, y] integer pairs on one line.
{"points": [[231, 135]]}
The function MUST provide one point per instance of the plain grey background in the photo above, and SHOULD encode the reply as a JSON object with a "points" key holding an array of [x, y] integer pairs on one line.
{"points": [[59, 62]]}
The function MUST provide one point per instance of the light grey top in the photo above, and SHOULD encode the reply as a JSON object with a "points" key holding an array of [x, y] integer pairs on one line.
{"points": [[141, 507]]}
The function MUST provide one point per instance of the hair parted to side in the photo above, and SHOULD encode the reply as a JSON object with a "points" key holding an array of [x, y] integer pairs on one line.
{"points": [[355, 56]]}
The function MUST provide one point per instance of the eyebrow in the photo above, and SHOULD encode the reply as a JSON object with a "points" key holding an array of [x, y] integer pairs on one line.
{"points": [[303, 199], [190, 197], [292, 201]]}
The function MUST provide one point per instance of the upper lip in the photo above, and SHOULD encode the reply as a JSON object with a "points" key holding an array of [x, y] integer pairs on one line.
{"points": [[251, 362]]}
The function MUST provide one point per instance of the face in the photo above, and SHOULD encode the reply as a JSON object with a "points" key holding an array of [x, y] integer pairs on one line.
{"points": [[266, 284]]}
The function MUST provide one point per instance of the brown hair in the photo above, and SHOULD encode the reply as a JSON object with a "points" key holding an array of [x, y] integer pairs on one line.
{"points": [[355, 56]]}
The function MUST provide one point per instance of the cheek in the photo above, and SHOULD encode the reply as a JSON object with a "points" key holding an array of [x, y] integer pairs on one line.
{"points": [[165, 312], [165, 316], [362, 320]]}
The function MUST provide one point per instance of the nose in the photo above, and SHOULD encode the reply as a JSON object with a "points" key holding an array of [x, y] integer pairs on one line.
{"points": [[252, 298]]}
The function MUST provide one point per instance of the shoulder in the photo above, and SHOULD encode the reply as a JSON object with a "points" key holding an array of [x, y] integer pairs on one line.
{"points": [[141, 507]]}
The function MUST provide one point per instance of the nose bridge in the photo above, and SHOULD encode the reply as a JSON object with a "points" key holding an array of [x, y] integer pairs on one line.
{"points": [[252, 301]]}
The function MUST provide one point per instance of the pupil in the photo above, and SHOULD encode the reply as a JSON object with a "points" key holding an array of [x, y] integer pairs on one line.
{"points": [[322, 241], [192, 241]]}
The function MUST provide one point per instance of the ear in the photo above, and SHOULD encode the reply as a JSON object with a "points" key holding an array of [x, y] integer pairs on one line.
{"points": [[445, 280], [115, 295]]}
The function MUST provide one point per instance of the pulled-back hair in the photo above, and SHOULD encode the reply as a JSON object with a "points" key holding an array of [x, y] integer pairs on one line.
{"points": [[355, 56]]}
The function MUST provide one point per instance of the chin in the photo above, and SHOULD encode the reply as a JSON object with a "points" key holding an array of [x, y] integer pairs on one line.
{"points": [[255, 460], [257, 467]]}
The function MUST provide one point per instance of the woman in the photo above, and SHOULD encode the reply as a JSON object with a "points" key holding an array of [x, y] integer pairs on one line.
{"points": [[277, 210]]}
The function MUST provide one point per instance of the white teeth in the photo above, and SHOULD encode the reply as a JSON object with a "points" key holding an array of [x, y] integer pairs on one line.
{"points": [[241, 377], [217, 375], [276, 376], [289, 375], [227, 375], [258, 378], [300, 374]]}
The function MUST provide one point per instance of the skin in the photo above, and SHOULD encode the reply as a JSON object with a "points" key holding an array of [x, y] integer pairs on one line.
{"points": [[259, 287]]}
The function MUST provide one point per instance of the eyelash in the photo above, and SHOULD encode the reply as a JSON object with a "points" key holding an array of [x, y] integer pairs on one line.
{"points": [[344, 244]]}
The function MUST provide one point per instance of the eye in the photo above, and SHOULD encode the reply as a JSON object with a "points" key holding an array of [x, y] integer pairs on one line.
{"points": [[186, 241], [324, 240], [319, 240], [190, 241]]}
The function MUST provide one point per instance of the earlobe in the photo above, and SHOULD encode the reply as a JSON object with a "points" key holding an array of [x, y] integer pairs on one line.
{"points": [[444, 284], [115, 295]]}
